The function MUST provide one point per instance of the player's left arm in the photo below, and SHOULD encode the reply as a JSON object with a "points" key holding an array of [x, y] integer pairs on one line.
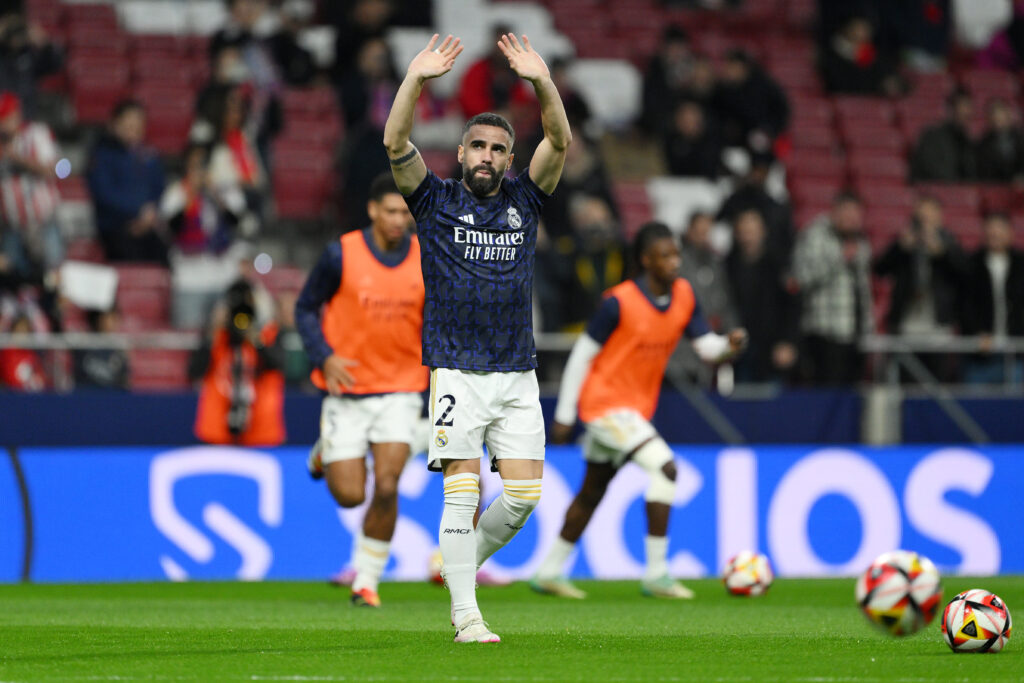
{"points": [[548, 159]]}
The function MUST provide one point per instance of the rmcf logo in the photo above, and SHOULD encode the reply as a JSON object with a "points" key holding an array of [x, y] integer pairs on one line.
{"points": [[169, 469]]}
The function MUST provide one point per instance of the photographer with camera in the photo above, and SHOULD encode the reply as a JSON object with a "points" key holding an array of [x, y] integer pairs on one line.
{"points": [[241, 396]]}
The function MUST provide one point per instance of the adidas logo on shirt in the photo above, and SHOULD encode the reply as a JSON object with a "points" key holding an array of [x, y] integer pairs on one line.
{"points": [[468, 218]]}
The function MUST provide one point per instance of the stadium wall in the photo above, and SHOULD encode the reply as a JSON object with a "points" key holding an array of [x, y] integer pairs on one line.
{"points": [[104, 418], [213, 513]]}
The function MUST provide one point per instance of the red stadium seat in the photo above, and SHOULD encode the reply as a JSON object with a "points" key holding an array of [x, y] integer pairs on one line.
{"points": [[866, 164], [818, 164], [865, 109], [815, 136], [986, 84], [814, 191], [889, 195], [953, 196], [870, 136], [301, 193]]}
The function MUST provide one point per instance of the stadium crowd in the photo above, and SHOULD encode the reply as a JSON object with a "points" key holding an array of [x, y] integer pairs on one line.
{"points": [[806, 271]]}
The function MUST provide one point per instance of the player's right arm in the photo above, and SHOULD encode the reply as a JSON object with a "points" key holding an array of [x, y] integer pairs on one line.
{"points": [[406, 163], [321, 285], [582, 356]]}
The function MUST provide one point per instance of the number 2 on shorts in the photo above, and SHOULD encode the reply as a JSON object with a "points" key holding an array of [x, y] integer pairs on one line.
{"points": [[442, 421]]}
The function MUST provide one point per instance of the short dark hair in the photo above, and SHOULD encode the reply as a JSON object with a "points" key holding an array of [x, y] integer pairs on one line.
{"points": [[956, 94], [490, 119], [383, 184], [124, 106], [846, 195], [998, 216], [648, 234]]}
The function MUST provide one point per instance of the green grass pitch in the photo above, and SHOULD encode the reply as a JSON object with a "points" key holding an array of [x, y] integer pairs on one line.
{"points": [[802, 630]]}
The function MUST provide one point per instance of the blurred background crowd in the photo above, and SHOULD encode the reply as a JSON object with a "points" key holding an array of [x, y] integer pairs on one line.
{"points": [[832, 169]]}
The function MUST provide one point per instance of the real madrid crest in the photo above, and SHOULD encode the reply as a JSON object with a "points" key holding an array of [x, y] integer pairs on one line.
{"points": [[514, 219], [441, 439]]}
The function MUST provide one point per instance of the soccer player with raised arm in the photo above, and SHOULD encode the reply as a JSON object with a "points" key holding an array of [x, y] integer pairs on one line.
{"points": [[477, 239], [613, 378], [360, 315]]}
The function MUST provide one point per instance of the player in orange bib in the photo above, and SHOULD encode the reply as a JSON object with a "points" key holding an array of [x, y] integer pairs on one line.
{"points": [[360, 316], [613, 378]]}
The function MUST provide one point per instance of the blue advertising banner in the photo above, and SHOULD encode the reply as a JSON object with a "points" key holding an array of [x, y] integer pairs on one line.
{"points": [[126, 514]]}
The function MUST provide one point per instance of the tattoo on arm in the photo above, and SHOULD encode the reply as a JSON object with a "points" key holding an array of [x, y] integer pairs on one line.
{"points": [[405, 158]]}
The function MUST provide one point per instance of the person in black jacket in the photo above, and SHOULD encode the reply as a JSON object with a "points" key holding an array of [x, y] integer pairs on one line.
{"points": [[945, 151], [767, 309], [751, 193], [994, 305], [1000, 153], [753, 108], [927, 268]]}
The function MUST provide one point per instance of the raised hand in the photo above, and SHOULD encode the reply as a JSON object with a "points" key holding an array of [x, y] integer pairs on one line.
{"points": [[432, 62], [523, 60]]}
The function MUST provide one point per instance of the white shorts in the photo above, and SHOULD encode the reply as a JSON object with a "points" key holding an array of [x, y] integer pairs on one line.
{"points": [[470, 409], [349, 425], [615, 435]]}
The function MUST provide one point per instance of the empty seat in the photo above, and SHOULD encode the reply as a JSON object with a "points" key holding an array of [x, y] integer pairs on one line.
{"points": [[867, 164], [953, 196], [864, 109]]}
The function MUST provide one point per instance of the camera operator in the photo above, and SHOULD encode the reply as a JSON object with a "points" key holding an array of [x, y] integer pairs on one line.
{"points": [[241, 396]]}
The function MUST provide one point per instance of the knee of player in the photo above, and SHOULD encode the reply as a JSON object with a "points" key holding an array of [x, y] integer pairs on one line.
{"points": [[348, 497], [657, 459], [385, 488]]}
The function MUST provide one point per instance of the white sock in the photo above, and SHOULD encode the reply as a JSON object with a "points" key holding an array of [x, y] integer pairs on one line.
{"points": [[505, 516], [457, 539], [657, 557], [371, 556], [554, 562]]}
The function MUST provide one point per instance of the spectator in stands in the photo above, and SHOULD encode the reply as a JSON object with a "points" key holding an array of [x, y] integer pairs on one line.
{"points": [[576, 108], [692, 148], [666, 79], [751, 107], [945, 151], [927, 269], [705, 269], [126, 180], [234, 160], [356, 22], [766, 307], [578, 268], [367, 90], [241, 396], [994, 303], [490, 84], [246, 32], [584, 173], [22, 369], [1006, 49], [294, 61], [203, 221], [102, 368], [752, 193], [26, 55], [1000, 153], [28, 188], [831, 266], [852, 63]]}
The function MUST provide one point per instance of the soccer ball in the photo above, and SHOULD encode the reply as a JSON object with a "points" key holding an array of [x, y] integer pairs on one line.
{"points": [[748, 573], [976, 621], [900, 592]]}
